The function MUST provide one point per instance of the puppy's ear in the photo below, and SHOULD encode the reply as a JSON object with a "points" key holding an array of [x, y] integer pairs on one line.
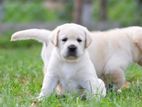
{"points": [[88, 38], [54, 36], [137, 39]]}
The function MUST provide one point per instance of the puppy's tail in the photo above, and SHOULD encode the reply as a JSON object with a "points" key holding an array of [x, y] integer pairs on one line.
{"points": [[37, 34]]}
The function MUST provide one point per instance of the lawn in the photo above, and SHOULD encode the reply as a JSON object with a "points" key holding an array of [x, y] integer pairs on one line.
{"points": [[21, 77]]}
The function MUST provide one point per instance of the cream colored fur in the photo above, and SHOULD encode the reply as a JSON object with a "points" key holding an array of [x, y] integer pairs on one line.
{"points": [[111, 53], [71, 71]]}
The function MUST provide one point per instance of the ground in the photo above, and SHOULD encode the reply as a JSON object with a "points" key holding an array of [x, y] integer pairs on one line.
{"points": [[21, 77]]}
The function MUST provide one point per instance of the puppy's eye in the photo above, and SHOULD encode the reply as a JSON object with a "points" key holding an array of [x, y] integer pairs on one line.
{"points": [[65, 39], [79, 40]]}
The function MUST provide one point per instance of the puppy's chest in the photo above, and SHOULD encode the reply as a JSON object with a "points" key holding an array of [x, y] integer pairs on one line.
{"points": [[68, 72], [69, 77]]}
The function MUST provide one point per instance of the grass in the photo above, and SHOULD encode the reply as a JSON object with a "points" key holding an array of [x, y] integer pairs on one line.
{"points": [[21, 77]]}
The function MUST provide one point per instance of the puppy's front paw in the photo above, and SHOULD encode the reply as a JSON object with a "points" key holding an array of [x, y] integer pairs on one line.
{"points": [[39, 98], [36, 102], [119, 91]]}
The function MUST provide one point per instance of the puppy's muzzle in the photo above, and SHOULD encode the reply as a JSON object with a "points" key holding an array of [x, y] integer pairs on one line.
{"points": [[72, 50]]}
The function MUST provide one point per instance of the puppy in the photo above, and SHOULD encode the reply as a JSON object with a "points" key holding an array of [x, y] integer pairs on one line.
{"points": [[110, 51], [69, 65], [115, 50]]}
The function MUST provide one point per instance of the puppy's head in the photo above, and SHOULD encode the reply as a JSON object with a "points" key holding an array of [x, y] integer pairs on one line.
{"points": [[137, 39], [71, 40]]}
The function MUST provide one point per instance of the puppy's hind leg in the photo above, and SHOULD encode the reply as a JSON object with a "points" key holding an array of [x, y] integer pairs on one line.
{"points": [[95, 87], [117, 77]]}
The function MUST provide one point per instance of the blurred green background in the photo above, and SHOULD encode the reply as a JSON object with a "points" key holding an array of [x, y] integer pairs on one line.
{"points": [[124, 12], [20, 61], [99, 15]]}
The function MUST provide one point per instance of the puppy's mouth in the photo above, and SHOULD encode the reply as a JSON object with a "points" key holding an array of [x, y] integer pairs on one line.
{"points": [[71, 56]]}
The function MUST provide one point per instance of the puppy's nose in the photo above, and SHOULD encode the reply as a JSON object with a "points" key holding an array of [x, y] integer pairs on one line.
{"points": [[72, 48]]}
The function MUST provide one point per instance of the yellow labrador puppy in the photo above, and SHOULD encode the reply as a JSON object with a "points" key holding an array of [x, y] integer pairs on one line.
{"points": [[70, 65], [110, 51]]}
